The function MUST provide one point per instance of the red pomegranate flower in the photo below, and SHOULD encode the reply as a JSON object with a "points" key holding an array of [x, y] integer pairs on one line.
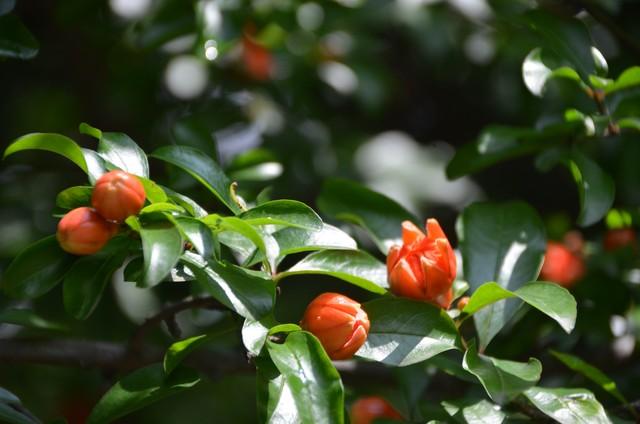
{"points": [[424, 267]]}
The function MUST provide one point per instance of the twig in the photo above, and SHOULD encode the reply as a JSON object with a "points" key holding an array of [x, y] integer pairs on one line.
{"points": [[168, 316]]}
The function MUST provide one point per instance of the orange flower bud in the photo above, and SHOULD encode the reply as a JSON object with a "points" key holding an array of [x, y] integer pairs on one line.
{"points": [[83, 231], [619, 238], [257, 59], [365, 410], [338, 322], [561, 266], [464, 301], [118, 195], [424, 267]]}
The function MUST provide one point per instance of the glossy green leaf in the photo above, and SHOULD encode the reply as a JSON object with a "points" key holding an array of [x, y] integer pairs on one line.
{"points": [[87, 129], [549, 298], [55, 143], [295, 240], [120, 150], [349, 201], [260, 238], [567, 38], [266, 171], [404, 332], [74, 197], [166, 207], [85, 282], [482, 412], [37, 269], [179, 350], [314, 385], [283, 212], [498, 143], [202, 168], [503, 380], [153, 192], [6, 6], [30, 319], [536, 73], [505, 243], [96, 166], [16, 41], [255, 332], [198, 234], [187, 203], [591, 372], [141, 388], [353, 266], [12, 411], [595, 188], [628, 79], [629, 123], [162, 245], [568, 406], [243, 291]]}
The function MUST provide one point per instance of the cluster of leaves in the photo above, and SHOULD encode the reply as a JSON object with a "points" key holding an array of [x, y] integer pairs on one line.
{"points": [[15, 39], [235, 259]]}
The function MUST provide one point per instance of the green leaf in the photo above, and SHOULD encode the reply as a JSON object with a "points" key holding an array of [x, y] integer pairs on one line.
{"points": [[243, 291], [74, 197], [87, 129], [9, 414], [153, 192], [166, 207], [86, 280], [12, 411], [96, 166], [568, 406], [6, 6], [30, 319], [120, 150], [55, 143], [198, 234], [628, 79], [266, 171], [16, 41], [536, 73], [283, 212], [296, 240], [482, 412], [549, 298], [629, 123], [179, 350], [187, 203], [503, 380], [349, 201], [567, 38], [141, 388], [600, 63], [404, 332], [202, 168], [261, 239], [501, 242], [314, 387], [591, 372], [162, 245], [552, 300], [353, 266], [498, 143], [255, 332], [595, 188], [37, 269]]}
